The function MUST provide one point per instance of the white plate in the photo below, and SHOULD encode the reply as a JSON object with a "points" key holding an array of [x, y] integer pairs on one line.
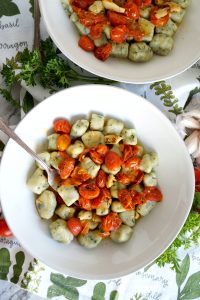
{"points": [[186, 49], [152, 235]]}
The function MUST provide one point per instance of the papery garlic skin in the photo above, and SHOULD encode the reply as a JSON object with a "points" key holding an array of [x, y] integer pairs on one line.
{"points": [[192, 142]]}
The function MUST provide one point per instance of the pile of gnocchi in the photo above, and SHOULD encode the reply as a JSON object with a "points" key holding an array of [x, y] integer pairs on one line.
{"points": [[133, 29], [106, 181]]}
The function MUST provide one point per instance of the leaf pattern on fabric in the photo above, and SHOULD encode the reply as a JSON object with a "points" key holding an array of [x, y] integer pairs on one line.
{"points": [[191, 289], [32, 7], [8, 8], [65, 286], [114, 295], [17, 268], [184, 268], [5, 263], [99, 291]]}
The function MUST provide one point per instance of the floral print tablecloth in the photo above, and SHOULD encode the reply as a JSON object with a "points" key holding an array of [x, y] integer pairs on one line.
{"points": [[19, 267]]}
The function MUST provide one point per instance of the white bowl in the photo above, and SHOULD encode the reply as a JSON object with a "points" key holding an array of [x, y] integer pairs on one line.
{"points": [[185, 53], [152, 235]]}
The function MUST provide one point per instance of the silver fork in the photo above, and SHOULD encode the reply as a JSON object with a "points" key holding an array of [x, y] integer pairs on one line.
{"points": [[51, 173]]}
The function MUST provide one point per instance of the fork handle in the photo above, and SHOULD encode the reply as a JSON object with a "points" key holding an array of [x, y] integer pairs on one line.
{"points": [[9, 132]]}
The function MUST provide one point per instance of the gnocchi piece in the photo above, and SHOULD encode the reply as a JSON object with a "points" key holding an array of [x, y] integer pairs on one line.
{"points": [[74, 17], [129, 136], [183, 3], [116, 206], [113, 6], [107, 30], [128, 217], [122, 234], [96, 7], [112, 139], [92, 138], [38, 182], [115, 189], [60, 232], [148, 28], [103, 209], [83, 30], [79, 128], [140, 150], [110, 180], [106, 170], [113, 126], [55, 159], [65, 212], [45, 156], [161, 44], [90, 167], [74, 150], [154, 158], [145, 12], [90, 240], [101, 41], [169, 29], [46, 204], [148, 162], [85, 215], [144, 209], [120, 50], [97, 122], [140, 52], [68, 193], [150, 179], [93, 225], [52, 141], [178, 16]]}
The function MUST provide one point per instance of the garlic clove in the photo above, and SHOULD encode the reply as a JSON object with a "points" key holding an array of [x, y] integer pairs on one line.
{"points": [[192, 142], [193, 113], [190, 122]]}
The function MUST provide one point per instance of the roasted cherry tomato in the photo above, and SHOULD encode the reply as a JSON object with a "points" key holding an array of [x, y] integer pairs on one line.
{"points": [[89, 190], [126, 199], [117, 18], [112, 160], [85, 203], [135, 32], [4, 229], [136, 197], [103, 52], [74, 225], [85, 226], [111, 222], [152, 193], [89, 19], [103, 196], [61, 126], [123, 178], [102, 150], [96, 157], [118, 34], [132, 10], [83, 154], [101, 179], [158, 21], [86, 43], [63, 142], [82, 3], [66, 167], [136, 176], [129, 151], [132, 162], [96, 30], [79, 174], [143, 3], [104, 235]]}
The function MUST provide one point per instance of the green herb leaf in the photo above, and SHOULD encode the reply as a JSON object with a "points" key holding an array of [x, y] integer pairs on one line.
{"points": [[8, 97], [60, 280], [28, 102], [31, 9], [114, 295], [192, 287], [5, 263], [8, 8], [99, 291], [70, 293], [17, 268], [184, 268]]}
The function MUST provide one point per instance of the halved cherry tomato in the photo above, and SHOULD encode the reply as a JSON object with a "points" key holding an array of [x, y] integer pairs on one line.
{"points": [[74, 225], [88, 19], [143, 3], [89, 190], [104, 235], [126, 199], [102, 150], [71, 181], [132, 10], [103, 52], [83, 154], [123, 178], [79, 174], [158, 21], [82, 3], [96, 157], [117, 18], [96, 30], [132, 162], [129, 151], [86, 43], [152, 193], [66, 167], [135, 32], [136, 197], [85, 203], [63, 142], [61, 126], [112, 160], [86, 227], [119, 33], [136, 176], [101, 179], [103, 196], [111, 222], [4, 229]]}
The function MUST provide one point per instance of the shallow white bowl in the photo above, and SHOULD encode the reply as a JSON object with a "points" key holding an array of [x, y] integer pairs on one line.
{"points": [[186, 49], [152, 235]]}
